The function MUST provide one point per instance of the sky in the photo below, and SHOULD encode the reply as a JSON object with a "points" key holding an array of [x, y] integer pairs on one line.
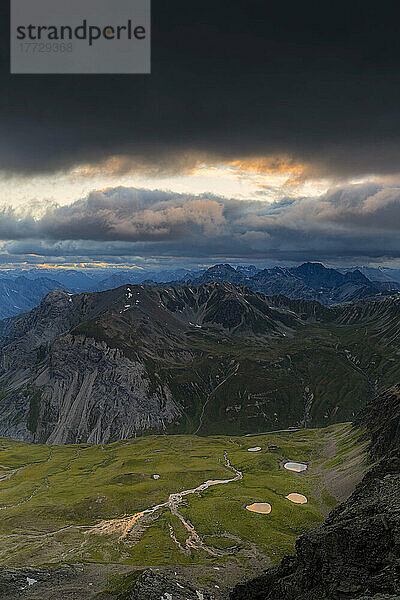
{"points": [[266, 133]]}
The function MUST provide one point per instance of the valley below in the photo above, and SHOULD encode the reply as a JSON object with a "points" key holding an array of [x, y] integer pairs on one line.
{"points": [[176, 504]]}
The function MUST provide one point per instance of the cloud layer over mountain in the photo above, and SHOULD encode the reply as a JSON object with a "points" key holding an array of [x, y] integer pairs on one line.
{"points": [[358, 220]]}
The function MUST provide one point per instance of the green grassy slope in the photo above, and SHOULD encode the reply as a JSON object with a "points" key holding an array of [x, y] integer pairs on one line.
{"points": [[52, 498], [324, 374]]}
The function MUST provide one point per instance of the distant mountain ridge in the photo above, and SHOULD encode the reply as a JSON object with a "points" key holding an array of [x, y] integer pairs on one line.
{"points": [[382, 274], [22, 294], [309, 281], [139, 276]]}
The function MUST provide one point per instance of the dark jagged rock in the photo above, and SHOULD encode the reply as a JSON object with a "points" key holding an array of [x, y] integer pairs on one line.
{"points": [[221, 273], [153, 585], [15, 583], [382, 421], [282, 281], [317, 276], [356, 553]]}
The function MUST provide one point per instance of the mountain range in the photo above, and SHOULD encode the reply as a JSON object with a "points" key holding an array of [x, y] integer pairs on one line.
{"points": [[310, 281], [132, 276], [207, 359]]}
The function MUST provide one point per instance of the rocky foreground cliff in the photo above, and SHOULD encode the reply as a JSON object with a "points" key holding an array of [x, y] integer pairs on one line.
{"points": [[355, 554]]}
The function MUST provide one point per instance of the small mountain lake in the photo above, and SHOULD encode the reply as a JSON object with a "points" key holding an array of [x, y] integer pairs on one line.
{"points": [[297, 498], [295, 466], [260, 507]]}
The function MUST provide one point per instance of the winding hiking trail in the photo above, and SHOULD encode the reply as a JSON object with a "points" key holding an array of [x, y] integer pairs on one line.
{"points": [[126, 525], [233, 372], [10, 474], [354, 362], [45, 481], [35, 491]]}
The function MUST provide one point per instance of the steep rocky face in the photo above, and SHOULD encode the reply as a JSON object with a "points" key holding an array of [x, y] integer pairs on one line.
{"points": [[92, 393], [317, 276], [27, 336], [27, 333], [356, 553], [215, 358], [84, 368], [222, 273], [282, 281], [381, 419]]}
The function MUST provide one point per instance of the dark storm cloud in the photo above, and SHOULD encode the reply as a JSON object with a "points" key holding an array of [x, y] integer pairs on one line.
{"points": [[120, 214], [358, 220], [318, 81]]}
